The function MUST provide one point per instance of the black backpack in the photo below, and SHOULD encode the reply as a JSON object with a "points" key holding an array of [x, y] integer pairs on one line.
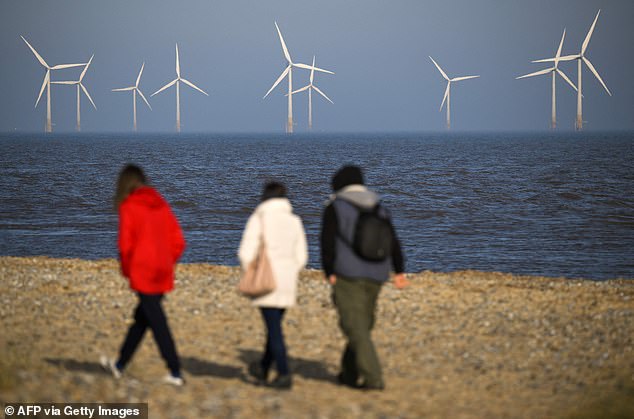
{"points": [[373, 235]]}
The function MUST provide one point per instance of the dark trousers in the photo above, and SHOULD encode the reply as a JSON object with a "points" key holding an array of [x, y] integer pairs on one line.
{"points": [[149, 313], [355, 300], [275, 349]]}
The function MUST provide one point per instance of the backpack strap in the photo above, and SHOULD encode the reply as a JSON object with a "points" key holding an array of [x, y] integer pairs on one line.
{"points": [[375, 209]]}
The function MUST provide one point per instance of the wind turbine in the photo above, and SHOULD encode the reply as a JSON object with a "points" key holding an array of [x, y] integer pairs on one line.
{"points": [[554, 71], [80, 85], [447, 96], [47, 83], [581, 57], [289, 71], [178, 81], [310, 86], [135, 89]]}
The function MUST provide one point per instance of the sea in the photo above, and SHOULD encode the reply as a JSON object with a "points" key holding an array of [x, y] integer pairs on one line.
{"points": [[549, 204]]}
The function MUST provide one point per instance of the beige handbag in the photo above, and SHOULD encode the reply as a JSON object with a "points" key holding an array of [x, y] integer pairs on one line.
{"points": [[258, 279]]}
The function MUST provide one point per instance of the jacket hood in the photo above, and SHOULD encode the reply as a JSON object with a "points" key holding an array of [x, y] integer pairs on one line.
{"points": [[147, 197], [358, 195], [274, 204]]}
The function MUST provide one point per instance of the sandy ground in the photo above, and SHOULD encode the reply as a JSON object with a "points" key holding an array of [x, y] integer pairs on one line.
{"points": [[458, 345]]}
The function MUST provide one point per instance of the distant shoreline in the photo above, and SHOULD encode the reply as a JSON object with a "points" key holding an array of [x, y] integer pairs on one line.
{"points": [[312, 272]]}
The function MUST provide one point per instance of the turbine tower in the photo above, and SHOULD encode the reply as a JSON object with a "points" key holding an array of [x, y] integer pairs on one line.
{"points": [[80, 86], [554, 71], [447, 96], [581, 57], [46, 84], [289, 71], [310, 86], [135, 89], [178, 81]]}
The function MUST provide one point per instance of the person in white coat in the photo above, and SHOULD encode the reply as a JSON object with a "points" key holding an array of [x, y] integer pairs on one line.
{"points": [[285, 243]]}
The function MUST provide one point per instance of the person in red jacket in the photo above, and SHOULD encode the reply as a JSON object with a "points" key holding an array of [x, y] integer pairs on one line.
{"points": [[150, 244]]}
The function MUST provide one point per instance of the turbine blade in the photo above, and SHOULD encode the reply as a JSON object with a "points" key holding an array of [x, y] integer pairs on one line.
{"points": [[300, 90], [46, 78], [64, 82], [83, 73], [139, 76], [439, 69], [464, 78], [38, 56], [88, 95], [307, 67], [63, 66], [279, 79], [323, 94], [178, 63], [124, 89], [561, 44], [589, 35], [550, 60], [143, 97], [190, 84], [312, 71], [596, 74], [563, 76], [537, 73], [170, 84], [286, 54], [444, 97]]}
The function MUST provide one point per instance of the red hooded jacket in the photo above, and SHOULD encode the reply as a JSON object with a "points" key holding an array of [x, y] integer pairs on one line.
{"points": [[150, 241]]}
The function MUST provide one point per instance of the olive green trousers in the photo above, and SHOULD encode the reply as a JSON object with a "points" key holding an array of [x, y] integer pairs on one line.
{"points": [[355, 300]]}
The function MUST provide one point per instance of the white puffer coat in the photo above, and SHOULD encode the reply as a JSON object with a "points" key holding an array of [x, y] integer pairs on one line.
{"points": [[285, 244]]}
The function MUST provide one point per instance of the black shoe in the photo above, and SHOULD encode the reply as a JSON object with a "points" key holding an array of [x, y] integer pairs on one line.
{"points": [[282, 382], [347, 382], [256, 371]]}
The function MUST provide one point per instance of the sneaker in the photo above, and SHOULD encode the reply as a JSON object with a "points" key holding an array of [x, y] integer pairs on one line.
{"points": [[256, 371], [282, 382], [173, 380], [109, 365]]}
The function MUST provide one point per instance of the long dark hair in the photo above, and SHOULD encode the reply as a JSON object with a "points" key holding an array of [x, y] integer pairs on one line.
{"points": [[273, 190], [130, 178]]}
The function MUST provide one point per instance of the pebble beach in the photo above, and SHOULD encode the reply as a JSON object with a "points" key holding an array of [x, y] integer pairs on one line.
{"points": [[464, 344]]}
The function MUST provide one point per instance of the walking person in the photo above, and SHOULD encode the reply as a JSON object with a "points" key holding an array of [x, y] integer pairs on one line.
{"points": [[282, 232], [356, 257], [150, 243]]}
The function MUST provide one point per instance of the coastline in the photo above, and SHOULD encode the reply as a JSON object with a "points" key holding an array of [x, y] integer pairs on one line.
{"points": [[460, 344]]}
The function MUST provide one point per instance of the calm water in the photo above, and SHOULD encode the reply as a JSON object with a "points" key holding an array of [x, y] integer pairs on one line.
{"points": [[533, 204]]}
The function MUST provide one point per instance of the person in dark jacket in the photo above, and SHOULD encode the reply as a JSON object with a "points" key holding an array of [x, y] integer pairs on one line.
{"points": [[356, 282], [150, 243]]}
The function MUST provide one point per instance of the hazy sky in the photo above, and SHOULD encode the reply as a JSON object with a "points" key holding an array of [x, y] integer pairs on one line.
{"points": [[379, 50]]}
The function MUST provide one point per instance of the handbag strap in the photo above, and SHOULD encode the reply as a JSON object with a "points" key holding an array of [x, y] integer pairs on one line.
{"points": [[262, 243]]}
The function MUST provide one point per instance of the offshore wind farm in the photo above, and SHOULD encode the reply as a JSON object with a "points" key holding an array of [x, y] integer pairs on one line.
{"points": [[295, 66], [306, 77]]}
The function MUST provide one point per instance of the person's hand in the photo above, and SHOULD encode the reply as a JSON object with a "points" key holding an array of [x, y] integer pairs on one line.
{"points": [[332, 279], [400, 281]]}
